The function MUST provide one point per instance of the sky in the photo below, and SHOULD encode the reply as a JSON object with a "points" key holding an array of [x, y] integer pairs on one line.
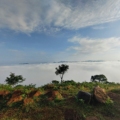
{"points": [[34, 31]]}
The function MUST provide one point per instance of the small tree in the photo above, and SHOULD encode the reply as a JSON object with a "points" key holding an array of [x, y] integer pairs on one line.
{"points": [[61, 70], [14, 79], [101, 78]]}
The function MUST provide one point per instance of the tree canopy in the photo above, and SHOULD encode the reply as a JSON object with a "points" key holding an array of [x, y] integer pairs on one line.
{"points": [[100, 78], [61, 70], [14, 79]]}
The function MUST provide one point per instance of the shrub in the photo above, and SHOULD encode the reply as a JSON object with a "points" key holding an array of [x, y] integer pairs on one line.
{"points": [[55, 82]]}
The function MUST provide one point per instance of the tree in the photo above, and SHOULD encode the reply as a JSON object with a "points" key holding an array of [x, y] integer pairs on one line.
{"points": [[61, 70], [100, 78], [14, 79]]}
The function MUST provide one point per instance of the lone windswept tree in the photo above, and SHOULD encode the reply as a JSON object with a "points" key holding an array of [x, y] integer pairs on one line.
{"points": [[61, 70], [101, 78], [14, 79]]}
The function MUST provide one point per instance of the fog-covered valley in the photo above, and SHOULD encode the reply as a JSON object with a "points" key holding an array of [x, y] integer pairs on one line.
{"points": [[41, 74]]}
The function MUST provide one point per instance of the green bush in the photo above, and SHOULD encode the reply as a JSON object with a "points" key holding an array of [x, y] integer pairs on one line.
{"points": [[55, 82]]}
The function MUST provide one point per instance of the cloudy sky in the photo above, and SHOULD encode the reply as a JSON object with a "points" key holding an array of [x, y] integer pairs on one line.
{"points": [[58, 30]]}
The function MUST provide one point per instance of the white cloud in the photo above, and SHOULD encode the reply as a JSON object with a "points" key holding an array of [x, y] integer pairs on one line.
{"points": [[90, 46], [99, 27], [41, 74], [37, 15]]}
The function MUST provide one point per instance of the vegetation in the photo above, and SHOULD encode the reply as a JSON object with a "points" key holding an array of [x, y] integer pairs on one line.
{"points": [[57, 101], [14, 79], [61, 70], [55, 82], [101, 78]]}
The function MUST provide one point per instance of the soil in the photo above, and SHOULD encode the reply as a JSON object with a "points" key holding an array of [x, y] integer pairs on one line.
{"points": [[114, 96]]}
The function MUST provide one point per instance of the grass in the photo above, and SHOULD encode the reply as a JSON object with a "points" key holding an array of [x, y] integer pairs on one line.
{"points": [[69, 107]]}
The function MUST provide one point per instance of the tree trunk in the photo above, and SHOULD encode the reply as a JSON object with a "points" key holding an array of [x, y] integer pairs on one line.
{"points": [[62, 78]]}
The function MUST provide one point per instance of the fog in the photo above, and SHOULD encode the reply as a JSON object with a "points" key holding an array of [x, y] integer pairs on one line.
{"points": [[41, 74]]}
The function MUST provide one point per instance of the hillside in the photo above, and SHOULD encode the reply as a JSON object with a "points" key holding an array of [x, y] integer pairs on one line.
{"points": [[56, 101]]}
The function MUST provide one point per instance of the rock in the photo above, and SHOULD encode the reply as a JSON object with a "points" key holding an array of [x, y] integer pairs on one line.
{"points": [[85, 96], [100, 95]]}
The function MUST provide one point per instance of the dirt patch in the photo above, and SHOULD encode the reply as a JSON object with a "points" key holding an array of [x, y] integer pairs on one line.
{"points": [[71, 100], [34, 93], [53, 95], [91, 118], [16, 97], [17, 93], [65, 95], [4, 92], [28, 101], [114, 96], [71, 114], [38, 93]]}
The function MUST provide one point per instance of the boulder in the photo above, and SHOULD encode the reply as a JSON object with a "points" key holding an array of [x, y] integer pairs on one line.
{"points": [[100, 95], [85, 96]]}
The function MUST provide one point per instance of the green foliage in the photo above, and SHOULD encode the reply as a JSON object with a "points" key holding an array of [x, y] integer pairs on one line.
{"points": [[116, 91], [109, 102], [100, 78], [14, 79], [6, 87], [30, 86], [55, 82], [49, 87], [51, 109], [61, 70], [69, 82]]}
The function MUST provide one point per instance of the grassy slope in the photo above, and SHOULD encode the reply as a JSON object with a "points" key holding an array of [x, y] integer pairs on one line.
{"points": [[67, 108]]}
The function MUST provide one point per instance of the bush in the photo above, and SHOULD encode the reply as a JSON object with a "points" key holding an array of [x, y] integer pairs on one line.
{"points": [[55, 82], [70, 82]]}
